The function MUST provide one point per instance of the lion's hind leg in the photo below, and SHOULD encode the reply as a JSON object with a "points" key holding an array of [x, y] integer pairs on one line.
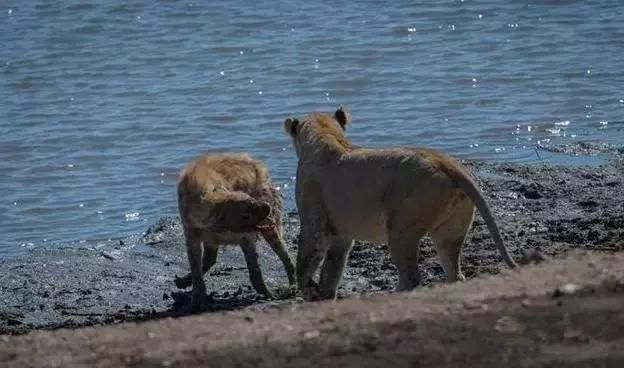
{"points": [[449, 237], [405, 251]]}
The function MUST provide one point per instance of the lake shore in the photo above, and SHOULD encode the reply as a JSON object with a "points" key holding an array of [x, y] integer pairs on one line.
{"points": [[552, 210], [564, 313]]}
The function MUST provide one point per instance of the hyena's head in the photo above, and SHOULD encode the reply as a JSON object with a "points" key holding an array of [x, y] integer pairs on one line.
{"points": [[240, 213]]}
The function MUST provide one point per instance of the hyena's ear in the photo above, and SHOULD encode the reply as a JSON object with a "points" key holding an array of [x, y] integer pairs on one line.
{"points": [[290, 126], [342, 116]]}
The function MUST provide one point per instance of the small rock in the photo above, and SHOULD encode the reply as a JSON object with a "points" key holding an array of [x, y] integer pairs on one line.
{"points": [[108, 256], [574, 335], [474, 305], [153, 239], [567, 289], [507, 324], [13, 322], [511, 195], [312, 334], [593, 235], [535, 257], [532, 194]]}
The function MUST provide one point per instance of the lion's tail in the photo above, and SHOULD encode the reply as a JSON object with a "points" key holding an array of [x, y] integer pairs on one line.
{"points": [[468, 186]]}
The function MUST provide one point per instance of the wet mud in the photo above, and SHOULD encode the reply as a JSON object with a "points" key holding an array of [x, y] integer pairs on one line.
{"points": [[541, 209], [562, 313]]}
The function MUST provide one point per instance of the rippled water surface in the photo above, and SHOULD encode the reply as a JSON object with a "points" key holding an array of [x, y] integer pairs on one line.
{"points": [[103, 101]]}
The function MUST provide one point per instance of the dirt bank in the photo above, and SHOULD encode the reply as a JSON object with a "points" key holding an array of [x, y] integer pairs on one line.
{"points": [[563, 314], [551, 208]]}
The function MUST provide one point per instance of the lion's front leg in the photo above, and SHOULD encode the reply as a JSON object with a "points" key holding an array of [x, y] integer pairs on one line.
{"points": [[312, 248], [333, 266], [311, 251]]}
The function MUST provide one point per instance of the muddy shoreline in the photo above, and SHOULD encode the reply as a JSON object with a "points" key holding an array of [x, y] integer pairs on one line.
{"points": [[563, 313], [553, 209]]}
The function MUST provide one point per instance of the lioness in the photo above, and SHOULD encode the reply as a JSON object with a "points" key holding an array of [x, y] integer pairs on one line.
{"points": [[386, 195], [228, 199]]}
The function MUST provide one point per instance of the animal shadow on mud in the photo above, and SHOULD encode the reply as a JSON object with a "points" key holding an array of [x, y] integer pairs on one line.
{"points": [[226, 301]]}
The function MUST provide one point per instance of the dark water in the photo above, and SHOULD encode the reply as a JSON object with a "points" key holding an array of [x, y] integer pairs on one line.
{"points": [[102, 102]]}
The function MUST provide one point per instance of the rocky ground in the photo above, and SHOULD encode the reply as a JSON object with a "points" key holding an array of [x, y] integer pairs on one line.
{"points": [[552, 209], [564, 313]]}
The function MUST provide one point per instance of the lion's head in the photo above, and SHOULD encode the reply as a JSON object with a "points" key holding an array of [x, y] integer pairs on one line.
{"points": [[319, 130]]}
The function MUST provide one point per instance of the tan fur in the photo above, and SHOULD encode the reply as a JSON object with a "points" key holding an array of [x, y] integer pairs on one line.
{"points": [[228, 199], [386, 195]]}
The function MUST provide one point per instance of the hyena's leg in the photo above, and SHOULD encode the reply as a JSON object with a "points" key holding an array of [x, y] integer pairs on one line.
{"points": [[194, 250], [275, 239], [209, 260], [255, 274]]}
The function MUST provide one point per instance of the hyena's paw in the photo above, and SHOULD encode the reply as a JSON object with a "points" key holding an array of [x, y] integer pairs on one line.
{"points": [[183, 282]]}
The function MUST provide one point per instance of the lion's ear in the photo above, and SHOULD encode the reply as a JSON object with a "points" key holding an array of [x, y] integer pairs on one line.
{"points": [[342, 116], [290, 126]]}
